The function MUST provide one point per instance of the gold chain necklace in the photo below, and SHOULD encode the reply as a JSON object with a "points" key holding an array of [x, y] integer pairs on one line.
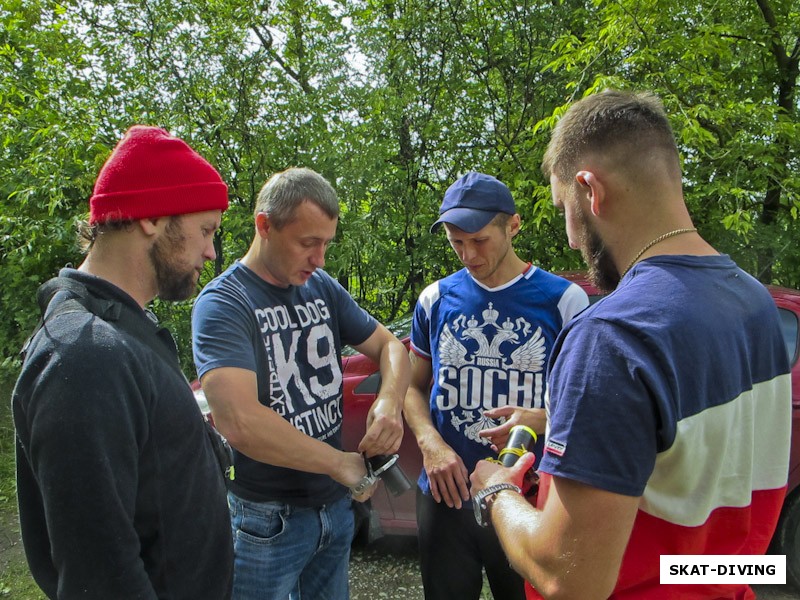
{"points": [[658, 240]]}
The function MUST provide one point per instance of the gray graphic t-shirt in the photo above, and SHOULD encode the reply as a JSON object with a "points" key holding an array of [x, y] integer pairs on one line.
{"points": [[291, 338]]}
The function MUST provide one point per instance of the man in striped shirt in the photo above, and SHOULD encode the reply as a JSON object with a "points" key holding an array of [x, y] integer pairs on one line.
{"points": [[669, 400]]}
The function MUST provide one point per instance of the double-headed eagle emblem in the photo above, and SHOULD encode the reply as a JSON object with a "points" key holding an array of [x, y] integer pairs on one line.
{"points": [[530, 356]]}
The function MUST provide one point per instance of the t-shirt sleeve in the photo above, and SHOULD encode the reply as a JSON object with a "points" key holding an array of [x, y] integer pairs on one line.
{"points": [[420, 332], [421, 323], [603, 416], [223, 332], [572, 302], [355, 323]]}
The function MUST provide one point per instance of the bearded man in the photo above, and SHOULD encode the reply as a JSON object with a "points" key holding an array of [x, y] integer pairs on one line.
{"points": [[669, 399], [121, 493]]}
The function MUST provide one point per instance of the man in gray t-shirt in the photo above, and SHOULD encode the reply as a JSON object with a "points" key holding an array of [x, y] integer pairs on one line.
{"points": [[267, 343]]}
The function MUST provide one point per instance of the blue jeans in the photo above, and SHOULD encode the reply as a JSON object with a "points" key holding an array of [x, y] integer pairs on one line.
{"points": [[283, 551]]}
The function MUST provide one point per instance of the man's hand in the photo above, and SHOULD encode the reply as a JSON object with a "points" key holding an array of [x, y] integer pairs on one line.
{"points": [[385, 419], [535, 418], [384, 429], [350, 471], [446, 472], [488, 473]]}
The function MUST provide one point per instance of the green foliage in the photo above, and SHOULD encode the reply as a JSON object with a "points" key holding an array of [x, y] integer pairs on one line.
{"points": [[8, 492], [728, 74], [47, 155], [392, 102]]}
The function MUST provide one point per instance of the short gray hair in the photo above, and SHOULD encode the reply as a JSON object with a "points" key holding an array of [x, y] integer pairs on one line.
{"points": [[286, 190]]}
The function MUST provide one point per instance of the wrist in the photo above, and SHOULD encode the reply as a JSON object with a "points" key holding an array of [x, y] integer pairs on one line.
{"points": [[484, 499], [344, 467], [388, 404], [430, 440]]}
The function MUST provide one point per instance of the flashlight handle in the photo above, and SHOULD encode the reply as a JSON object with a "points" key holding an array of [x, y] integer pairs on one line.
{"points": [[520, 440]]}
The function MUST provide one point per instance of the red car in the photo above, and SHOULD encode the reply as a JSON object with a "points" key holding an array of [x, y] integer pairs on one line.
{"points": [[396, 515]]}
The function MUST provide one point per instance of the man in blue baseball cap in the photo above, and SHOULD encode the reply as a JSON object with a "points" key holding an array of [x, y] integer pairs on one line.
{"points": [[480, 341], [473, 201]]}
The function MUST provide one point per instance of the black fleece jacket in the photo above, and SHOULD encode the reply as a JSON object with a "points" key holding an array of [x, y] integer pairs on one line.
{"points": [[120, 493]]}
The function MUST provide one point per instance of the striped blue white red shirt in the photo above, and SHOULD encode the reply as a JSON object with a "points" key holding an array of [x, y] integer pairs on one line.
{"points": [[676, 389]]}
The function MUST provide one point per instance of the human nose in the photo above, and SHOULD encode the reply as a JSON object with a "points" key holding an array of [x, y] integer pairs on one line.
{"points": [[318, 257], [210, 252], [467, 253], [572, 235]]}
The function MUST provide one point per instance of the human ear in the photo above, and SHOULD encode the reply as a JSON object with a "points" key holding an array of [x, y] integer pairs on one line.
{"points": [[595, 192], [151, 226], [514, 225], [585, 178], [262, 224]]}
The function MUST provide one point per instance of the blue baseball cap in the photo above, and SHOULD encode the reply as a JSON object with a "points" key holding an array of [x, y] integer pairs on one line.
{"points": [[473, 201]]}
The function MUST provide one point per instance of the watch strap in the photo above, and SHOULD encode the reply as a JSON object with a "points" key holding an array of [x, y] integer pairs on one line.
{"points": [[482, 501]]}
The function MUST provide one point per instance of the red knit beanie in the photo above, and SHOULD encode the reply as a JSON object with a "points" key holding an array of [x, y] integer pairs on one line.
{"points": [[153, 174]]}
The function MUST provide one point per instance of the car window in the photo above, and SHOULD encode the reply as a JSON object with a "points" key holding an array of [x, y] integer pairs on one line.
{"points": [[789, 329], [401, 327]]}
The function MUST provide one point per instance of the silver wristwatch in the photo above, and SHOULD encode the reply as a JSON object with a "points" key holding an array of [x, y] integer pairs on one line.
{"points": [[482, 501]]}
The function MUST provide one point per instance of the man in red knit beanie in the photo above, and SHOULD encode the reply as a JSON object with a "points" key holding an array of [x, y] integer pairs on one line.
{"points": [[152, 174], [121, 492]]}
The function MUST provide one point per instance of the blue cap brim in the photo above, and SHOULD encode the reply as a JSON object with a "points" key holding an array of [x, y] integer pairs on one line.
{"points": [[470, 220]]}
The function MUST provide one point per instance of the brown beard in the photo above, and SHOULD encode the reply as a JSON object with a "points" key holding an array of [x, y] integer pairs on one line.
{"points": [[603, 273], [173, 283]]}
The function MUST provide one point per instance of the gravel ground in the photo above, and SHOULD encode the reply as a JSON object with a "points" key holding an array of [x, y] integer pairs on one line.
{"points": [[388, 569]]}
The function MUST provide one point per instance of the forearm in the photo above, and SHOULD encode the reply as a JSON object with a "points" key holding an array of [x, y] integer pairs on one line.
{"points": [[518, 525], [395, 374], [564, 550], [447, 475], [418, 416], [262, 434], [84, 456], [265, 436], [92, 541]]}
